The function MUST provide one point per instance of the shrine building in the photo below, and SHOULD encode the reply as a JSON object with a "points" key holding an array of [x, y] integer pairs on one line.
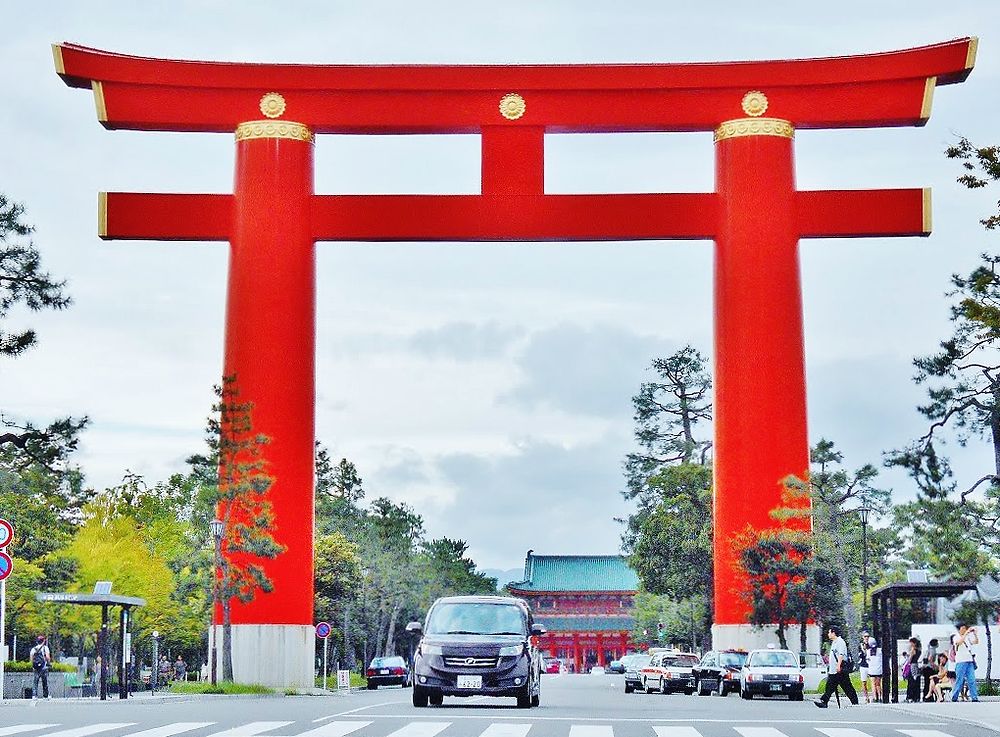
{"points": [[585, 602]]}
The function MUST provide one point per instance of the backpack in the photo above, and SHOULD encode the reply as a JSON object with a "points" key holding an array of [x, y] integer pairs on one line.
{"points": [[38, 661], [847, 665]]}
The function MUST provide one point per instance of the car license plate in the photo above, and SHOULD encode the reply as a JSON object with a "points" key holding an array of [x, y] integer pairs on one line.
{"points": [[384, 671], [775, 686], [470, 682]]}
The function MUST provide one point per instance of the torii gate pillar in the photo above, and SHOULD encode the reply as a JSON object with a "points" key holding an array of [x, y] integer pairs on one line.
{"points": [[756, 217]]}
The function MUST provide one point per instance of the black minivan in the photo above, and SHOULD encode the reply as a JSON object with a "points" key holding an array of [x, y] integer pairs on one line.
{"points": [[475, 646]]}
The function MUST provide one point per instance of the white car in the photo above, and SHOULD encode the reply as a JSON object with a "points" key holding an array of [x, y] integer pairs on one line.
{"points": [[772, 672]]}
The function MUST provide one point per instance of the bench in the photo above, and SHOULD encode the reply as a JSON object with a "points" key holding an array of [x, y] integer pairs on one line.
{"points": [[77, 687]]}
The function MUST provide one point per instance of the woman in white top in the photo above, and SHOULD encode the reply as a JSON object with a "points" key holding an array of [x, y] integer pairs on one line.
{"points": [[875, 667]]}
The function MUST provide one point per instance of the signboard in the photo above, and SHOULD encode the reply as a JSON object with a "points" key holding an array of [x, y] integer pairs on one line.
{"points": [[6, 564], [323, 630], [343, 679], [6, 533]]}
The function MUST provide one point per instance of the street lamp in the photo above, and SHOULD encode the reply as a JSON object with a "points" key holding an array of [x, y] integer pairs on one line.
{"points": [[218, 528], [156, 661], [864, 512]]}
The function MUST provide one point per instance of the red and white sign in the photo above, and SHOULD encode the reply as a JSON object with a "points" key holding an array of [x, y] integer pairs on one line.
{"points": [[6, 533]]}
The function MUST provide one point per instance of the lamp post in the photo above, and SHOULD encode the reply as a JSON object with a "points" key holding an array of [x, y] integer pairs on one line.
{"points": [[218, 528], [154, 674], [864, 511]]}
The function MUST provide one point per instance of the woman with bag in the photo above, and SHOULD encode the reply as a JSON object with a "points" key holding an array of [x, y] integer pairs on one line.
{"points": [[911, 672]]}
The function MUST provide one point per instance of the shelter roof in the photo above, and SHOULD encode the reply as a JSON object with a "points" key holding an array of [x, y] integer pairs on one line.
{"points": [[90, 599], [924, 590]]}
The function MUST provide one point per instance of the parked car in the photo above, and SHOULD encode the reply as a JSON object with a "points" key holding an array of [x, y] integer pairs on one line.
{"points": [[552, 665], [668, 672], [477, 645], [771, 672], [813, 670], [387, 672], [616, 666], [597, 670], [634, 664], [719, 672]]}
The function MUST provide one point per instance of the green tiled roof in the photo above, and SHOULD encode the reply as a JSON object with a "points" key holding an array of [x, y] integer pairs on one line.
{"points": [[586, 624], [576, 573]]}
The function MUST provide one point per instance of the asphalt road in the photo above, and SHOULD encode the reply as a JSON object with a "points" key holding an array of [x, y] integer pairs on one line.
{"points": [[571, 706]]}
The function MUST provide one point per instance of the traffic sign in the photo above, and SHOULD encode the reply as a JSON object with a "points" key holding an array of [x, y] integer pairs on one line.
{"points": [[323, 630], [6, 533], [6, 566]]}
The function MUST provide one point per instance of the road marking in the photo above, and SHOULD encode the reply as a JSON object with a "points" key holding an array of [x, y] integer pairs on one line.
{"points": [[759, 732], [506, 730], [591, 730], [923, 732], [168, 729], [646, 720], [249, 730], [420, 729], [334, 729], [676, 731], [89, 729], [842, 732], [352, 711], [18, 728]]}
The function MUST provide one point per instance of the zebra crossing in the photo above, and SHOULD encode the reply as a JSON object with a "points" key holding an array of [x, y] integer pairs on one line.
{"points": [[422, 728]]}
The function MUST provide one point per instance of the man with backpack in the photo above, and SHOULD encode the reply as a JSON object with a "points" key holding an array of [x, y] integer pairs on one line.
{"points": [[839, 667], [41, 659]]}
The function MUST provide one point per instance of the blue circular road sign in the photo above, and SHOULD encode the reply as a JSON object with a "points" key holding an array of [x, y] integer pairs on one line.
{"points": [[323, 629], [6, 566]]}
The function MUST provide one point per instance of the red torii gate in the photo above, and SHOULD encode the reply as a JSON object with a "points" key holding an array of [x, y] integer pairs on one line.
{"points": [[756, 217]]}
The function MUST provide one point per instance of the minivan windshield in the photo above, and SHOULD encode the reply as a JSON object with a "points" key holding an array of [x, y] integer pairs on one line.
{"points": [[475, 618]]}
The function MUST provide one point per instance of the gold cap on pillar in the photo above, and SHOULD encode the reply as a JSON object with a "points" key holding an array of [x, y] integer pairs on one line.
{"points": [[754, 127], [274, 129]]}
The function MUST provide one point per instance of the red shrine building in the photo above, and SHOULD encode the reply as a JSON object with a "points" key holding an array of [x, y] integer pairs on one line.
{"points": [[584, 601]]}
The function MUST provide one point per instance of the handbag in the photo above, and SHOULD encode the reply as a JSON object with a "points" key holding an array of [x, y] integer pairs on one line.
{"points": [[906, 670]]}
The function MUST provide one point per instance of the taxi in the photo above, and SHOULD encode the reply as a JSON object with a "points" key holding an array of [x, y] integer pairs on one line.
{"points": [[772, 672], [669, 671]]}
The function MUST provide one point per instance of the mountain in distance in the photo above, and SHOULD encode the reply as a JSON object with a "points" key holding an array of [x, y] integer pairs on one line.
{"points": [[503, 577]]}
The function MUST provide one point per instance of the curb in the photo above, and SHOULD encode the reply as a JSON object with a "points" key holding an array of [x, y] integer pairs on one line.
{"points": [[967, 720]]}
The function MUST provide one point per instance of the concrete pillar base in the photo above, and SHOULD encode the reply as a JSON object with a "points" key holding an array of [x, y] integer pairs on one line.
{"points": [[275, 655], [750, 637]]}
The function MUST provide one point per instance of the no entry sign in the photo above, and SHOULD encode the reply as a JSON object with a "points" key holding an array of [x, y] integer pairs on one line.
{"points": [[6, 564], [323, 630]]}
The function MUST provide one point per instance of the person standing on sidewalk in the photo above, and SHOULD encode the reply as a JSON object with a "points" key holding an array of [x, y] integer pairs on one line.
{"points": [[965, 662], [41, 660], [838, 672]]}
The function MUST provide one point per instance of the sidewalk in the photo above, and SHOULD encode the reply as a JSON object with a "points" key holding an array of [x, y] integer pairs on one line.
{"points": [[162, 697], [985, 713]]}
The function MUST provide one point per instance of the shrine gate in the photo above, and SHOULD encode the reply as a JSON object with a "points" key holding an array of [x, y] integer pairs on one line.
{"points": [[272, 220]]}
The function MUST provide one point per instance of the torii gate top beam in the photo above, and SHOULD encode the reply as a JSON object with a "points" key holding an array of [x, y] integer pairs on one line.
{"points": [[884, 89]]}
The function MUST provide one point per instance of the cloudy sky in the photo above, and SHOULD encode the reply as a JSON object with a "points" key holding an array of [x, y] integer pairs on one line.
{"points": [[488, 385]]}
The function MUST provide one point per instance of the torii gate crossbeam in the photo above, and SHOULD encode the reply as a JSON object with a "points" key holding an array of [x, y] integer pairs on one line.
{"points": [[756, 216]]}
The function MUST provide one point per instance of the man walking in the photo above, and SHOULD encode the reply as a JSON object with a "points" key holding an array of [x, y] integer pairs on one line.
{"points": [[965, 662], [41, 659], [837, 674]]}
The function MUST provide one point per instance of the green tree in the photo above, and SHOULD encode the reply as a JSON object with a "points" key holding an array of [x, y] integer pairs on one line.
{"points": [[24, 283]]}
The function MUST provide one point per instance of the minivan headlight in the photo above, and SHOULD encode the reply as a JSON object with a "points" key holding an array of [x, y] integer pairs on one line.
{"points": [[511, 650], [430, 650]]}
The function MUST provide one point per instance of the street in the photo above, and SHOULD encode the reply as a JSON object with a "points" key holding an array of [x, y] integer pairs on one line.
{"points": [[571, 706]]}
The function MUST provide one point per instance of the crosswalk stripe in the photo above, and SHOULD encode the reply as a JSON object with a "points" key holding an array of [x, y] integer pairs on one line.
{"points": [[250, 729], [506, 730], [89, 729], [676, 731], [18, 728], [924, 732], [420, 729], [591, 730], [334, 729], [170, 729], [842, 732], [759, 732]]}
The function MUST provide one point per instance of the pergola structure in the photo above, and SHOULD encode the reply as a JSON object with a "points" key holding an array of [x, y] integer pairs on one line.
{"points": [[105, 600], [756, 216], [885, 615]]}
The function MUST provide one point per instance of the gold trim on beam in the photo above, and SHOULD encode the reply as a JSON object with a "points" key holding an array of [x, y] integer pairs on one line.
{"points": [[927, 210], [102, 110], [754, 127], [925, 106], [102, 214], [970, 55], [274, 129], [57, 58]]}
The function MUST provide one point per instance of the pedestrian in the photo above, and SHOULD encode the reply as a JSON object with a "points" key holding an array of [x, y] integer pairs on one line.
{"points": [[965, 662], [838, 672], [911, 671], [180, 669], [863, 665], [41, 660], [929, 668], [165, 670], [875, 667]]}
